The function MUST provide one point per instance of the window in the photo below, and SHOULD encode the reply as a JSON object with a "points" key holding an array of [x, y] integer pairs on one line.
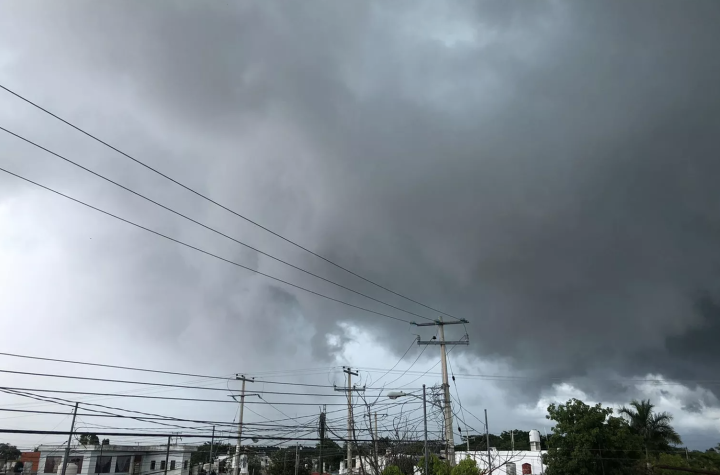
{"points": [[152, 465], [172, 465], [185, 464], [162, 465], [510, 469], [78, 460], [122, 464], [103, 464], [52, 464]]}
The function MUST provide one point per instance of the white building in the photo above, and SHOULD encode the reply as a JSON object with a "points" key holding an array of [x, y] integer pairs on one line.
{"points": [[517, 462], [123, 459]]}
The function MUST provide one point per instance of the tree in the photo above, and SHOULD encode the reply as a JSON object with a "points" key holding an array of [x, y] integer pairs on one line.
{"points": [[405, 463], [466, 466], [202, 453], [9, 452], [589, 440], [654, 427], [505, 441], [89, 439], [254, 464], [282, 462], [392, 470], [106, 442], [435, 466], [333, 454]]}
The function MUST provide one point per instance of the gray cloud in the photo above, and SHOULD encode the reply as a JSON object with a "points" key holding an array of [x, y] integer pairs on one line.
{"points": [[546, 170]]}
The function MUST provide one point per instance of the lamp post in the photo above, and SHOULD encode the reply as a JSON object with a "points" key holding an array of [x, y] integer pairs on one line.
{"points": [[398, 394]]}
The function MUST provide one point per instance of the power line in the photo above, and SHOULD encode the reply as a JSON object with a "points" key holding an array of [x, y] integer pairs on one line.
{"points": [[175, 373], [209, 228], [210, 200], [165, 398], [190, 246], [398, 362], [173, 435], [146, 383]]}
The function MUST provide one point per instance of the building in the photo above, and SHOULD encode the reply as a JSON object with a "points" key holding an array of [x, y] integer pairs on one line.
{"points": [[123, 459], [517, 462], [31, 459]]}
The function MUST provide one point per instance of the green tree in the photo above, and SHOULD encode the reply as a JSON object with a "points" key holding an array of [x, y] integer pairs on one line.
{"points": [[435, 466], [506, 440], [9, 452], [405, 463], [254, 465], [282, 462], [202, 453], [654, 427], [466, 466], [392, 470], [588, 440], [333, 454], [106, 442]]}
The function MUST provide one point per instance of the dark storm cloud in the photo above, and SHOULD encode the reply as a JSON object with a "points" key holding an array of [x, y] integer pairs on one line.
{"points": [[547, 170]]}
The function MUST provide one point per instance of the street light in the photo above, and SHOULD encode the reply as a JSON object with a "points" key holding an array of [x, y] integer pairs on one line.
{"points": [[399, 394]]}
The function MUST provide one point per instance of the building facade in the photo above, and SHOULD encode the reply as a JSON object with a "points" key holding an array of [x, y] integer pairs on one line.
{"points": [[122, 459]]}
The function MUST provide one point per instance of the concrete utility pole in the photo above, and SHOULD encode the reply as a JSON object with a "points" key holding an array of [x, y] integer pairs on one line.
{"points": [[377, 454], [167, 454], [297, 458], [447, 408], [67, 447], [349, 390], [240, 423], [427, 455], [321, 471], [212, 442], [487, 441]]}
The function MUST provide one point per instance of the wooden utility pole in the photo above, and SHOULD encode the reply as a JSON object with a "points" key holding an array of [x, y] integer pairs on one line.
{"points": [[447, 407]]}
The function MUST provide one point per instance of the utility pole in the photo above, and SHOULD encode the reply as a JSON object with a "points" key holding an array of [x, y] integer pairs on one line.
{"points": [[321, 471], [447, 409], [297, 458], [240, 423], [349, 390], [487, 441], [67, 447], [212, 442], [377, 453], [167, 454], [427, 455]]}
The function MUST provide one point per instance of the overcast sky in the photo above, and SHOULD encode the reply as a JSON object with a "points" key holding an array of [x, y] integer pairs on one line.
{"points": [[547, 170]]}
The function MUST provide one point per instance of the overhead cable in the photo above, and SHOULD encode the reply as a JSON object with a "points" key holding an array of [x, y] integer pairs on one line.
{"points": [[210, 200], [195, 248]]}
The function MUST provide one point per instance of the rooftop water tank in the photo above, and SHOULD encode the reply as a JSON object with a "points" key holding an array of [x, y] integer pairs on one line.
{"points": [[535, 440]]}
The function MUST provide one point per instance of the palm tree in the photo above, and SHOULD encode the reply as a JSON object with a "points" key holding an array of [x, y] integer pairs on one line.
{"points": [[654, 427]]}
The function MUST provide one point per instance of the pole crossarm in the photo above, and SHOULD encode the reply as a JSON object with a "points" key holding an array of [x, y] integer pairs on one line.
{"points": [[461, 321], [435, 342]]}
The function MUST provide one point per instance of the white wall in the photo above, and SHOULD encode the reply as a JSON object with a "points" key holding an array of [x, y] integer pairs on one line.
{"points": [[90, 455], [499, 460]]}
